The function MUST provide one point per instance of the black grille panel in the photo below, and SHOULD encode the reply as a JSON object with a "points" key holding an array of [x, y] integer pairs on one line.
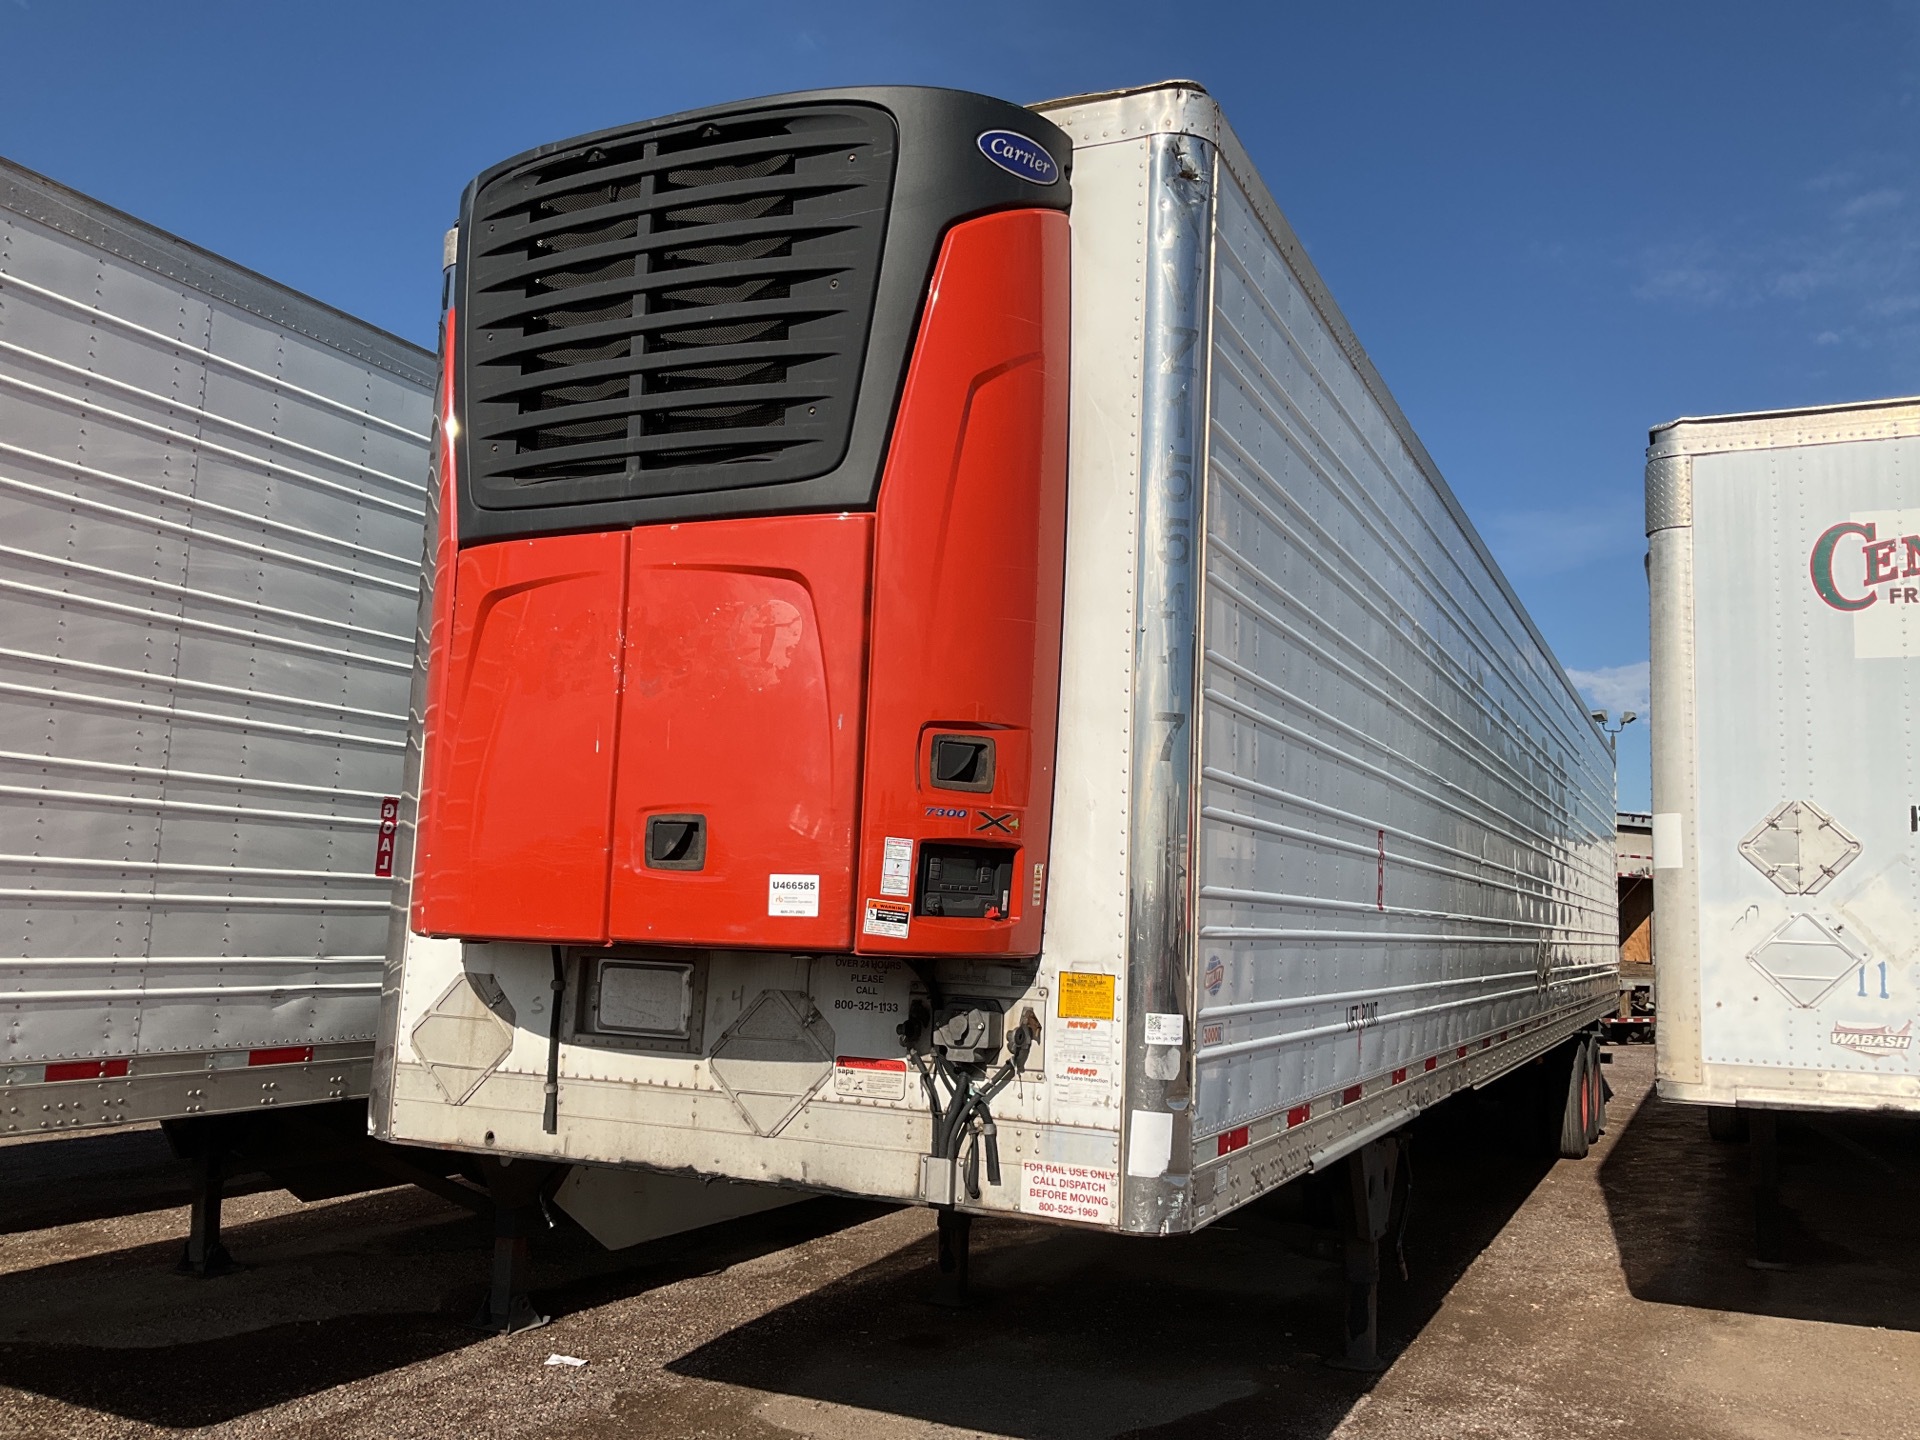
{"points": [[674, 311]]}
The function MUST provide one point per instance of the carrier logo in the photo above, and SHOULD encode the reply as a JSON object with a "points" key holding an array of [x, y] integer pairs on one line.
{"points": [[1881, 561], [1020, 156], [1874, 1040]]}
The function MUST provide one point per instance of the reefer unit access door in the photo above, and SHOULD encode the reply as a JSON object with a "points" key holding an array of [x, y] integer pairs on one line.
{"points": [[1785, 571], [210, 502]]}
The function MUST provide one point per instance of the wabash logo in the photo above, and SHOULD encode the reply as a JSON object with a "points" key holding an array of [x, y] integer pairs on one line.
{"points": [[1879, 1041], [1855, 547]]}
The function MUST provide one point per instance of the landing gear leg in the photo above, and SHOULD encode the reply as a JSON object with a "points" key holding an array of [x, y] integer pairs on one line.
{"points": [[204, 1255], [1370, 1183], [515, 1190], [954, 1240], [1769, 1248]]}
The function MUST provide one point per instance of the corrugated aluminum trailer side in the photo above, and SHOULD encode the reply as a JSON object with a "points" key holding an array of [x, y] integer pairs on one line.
{"points": [[211, 492], [1332, 832], [1383, 872], [1784, 559]]}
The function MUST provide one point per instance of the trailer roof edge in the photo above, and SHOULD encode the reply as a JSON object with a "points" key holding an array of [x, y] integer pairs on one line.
{"points": [[71, 212]]}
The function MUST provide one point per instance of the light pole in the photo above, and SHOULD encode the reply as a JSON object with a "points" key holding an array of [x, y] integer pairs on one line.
{"points": [[1627, 717]]}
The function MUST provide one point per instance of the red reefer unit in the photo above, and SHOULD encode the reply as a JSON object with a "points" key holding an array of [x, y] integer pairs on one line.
{"points": [[745, 625]]}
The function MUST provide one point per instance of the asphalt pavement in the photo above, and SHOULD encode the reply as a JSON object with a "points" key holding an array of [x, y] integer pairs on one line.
{"points": [[1607, 1296]]}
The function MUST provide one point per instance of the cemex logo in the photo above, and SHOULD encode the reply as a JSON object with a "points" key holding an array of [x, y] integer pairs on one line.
{"points": [[1880, 562]]}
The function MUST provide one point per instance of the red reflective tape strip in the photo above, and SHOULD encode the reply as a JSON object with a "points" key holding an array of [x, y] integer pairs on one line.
{"points": [[1233, 1140], [1433, 1063], [86, 1070], [1298, 1115], [1484, 1044], [1503, 1037], [1350, 1094], [1400, 1076], [281, 1055], [1460, 1052]]}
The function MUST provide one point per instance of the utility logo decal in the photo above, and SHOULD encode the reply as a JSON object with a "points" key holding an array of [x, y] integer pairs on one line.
{"points": [[1874, 1040], [1020, 156]]}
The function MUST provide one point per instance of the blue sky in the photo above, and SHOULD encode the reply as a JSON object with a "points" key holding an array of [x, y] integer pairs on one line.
{"points": [[1552, 226]]}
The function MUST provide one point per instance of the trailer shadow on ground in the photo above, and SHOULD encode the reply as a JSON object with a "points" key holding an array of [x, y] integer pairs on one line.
{"points": [[1682, 1215], [308, 1313], [66, 1179], [1075, 1335]]}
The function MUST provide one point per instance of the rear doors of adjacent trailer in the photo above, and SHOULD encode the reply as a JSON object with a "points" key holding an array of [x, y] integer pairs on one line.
{"points": [[1785, 571]]}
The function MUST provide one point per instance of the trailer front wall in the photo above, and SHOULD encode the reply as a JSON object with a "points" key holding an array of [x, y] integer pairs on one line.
{"points": [[1405, 815], [1785, 663], [210, 524]]}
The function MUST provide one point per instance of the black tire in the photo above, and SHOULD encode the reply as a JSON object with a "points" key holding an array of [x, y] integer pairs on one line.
{"points": [[1578, 1104], [1597, 1101], [1726, 1125]]}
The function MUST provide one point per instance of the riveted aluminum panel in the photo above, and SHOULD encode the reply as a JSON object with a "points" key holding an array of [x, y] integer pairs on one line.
{"points": [[1405, 834], [210, 501], [1785, 658]]}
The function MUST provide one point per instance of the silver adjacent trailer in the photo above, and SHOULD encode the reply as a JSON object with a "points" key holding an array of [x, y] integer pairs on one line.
{"points": [[211, 491], [1785, 570], [1333, 833]]}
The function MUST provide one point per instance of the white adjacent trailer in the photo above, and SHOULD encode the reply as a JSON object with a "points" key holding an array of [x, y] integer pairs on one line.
{"points": [[1784, 556], [211, 497], [1331, 832]]}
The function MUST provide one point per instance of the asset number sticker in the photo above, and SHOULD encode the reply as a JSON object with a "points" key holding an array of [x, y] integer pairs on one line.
{"points": [[1069, 1192], [793, 895]]}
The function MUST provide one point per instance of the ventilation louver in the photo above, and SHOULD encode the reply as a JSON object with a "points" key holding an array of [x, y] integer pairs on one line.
{"points": [[675, 311]]}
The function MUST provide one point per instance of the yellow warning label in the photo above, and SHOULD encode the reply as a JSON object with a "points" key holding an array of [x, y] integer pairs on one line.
{"points": [[1085, 997]]}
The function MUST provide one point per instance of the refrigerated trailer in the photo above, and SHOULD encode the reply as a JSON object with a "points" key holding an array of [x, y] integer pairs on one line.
{"points": [[1783, 567], [946, 676], [211, 494]]}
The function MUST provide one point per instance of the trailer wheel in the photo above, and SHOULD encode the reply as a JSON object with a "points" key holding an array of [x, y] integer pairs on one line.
{"points": [[1578, 1107], [1726, 1125], [1597, 1103]]}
